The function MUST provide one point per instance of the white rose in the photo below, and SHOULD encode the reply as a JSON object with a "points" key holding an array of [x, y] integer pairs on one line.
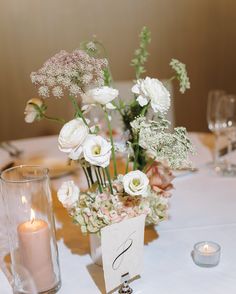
{"points": [[103, 96], [97, 151], [68, 194], [72, 136], [31, 109], [154, 91], [136, 183]]}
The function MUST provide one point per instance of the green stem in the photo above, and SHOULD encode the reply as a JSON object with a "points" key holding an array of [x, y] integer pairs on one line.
{"points": [[74, 103], [78, 111], [112, 143], [80, 114], [127, 164], [90, 174], [143, 112], [136, 158], [100, 177], [106, 56], [59, 120], [87, 178], [172, 78], [109, 179], [104, 176], [98, 180]]}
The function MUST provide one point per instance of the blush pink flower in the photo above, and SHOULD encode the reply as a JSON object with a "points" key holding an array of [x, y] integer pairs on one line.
{"points": [[160, 178]]}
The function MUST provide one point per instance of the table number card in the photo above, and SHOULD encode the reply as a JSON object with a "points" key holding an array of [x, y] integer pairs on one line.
{"points": [[122, 250]]}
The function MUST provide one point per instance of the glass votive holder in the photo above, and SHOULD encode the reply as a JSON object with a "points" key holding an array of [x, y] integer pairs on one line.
{"points": [[31, 229], [206, 254]]}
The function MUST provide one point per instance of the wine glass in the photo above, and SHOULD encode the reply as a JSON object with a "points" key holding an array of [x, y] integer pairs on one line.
{"points": [[214, 97], [226, 123]]}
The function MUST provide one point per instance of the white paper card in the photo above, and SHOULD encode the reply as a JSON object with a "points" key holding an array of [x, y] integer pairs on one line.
{"points": [[122, 250]]}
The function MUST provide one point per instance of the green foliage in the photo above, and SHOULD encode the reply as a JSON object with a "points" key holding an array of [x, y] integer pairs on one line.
{"points": [[107, 77], [141, 54]]}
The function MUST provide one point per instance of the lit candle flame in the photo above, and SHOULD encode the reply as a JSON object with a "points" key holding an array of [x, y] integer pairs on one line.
{"points": [[23, 200], [32, 216], [206, 248]]}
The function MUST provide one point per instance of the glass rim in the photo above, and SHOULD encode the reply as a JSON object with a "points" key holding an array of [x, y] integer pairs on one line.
{"points": [[44, 175], [218, 247]]}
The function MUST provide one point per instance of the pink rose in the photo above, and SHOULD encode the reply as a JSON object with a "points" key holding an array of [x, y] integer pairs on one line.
{"points": [[160, 178]]}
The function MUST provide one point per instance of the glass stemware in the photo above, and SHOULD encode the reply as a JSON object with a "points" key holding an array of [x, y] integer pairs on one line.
{"points": [[226, 123], [214, 97]]}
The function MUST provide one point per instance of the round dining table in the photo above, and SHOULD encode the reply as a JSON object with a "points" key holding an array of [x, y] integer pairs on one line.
{"points": [[202, 207]]}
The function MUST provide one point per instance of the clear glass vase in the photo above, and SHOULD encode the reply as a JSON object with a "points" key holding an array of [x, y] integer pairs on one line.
{"points": [[31, 228]]}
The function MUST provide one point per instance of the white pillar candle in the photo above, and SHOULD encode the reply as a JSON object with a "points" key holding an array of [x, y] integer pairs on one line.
{"points": [[35, 252]]}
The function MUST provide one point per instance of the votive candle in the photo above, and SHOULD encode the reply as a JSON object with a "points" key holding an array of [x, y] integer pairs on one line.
{"points": [[206, 253]]}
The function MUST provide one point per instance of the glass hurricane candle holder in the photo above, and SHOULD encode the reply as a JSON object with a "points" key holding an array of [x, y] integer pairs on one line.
{"points": [[206, 253], [31, 228]]}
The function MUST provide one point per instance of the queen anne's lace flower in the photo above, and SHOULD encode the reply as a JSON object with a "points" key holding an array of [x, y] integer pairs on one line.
{"points": [[44, 91], [73, 72], [74, 90], [57, 91], [161, 144]]}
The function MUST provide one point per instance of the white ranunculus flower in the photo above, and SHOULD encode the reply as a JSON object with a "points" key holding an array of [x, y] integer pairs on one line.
{"points": [[31, 112], [97, 151], [136, 183], [68, 194], [72, 135], [154, 91], [103, 96]]}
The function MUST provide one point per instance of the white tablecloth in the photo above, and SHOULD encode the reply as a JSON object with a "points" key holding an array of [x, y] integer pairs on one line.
{"points": [[203, 207]]}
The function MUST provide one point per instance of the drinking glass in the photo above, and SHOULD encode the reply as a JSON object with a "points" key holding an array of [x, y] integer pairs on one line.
{"points": [[214, 97], [226, 123], [31, 229]]}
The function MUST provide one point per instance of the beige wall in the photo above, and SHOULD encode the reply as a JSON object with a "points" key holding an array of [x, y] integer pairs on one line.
{"points": [[199, 32]]}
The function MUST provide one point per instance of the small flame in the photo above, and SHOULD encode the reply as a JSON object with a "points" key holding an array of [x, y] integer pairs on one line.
{"points": [[23, 200], [206, 248], [32, 216]]}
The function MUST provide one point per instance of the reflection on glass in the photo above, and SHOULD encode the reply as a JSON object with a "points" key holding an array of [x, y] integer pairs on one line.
{"points": [[226, 120], [214, 97]]}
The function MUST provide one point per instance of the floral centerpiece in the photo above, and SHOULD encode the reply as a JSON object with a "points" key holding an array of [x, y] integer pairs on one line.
{"points": [[150, 150]]}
